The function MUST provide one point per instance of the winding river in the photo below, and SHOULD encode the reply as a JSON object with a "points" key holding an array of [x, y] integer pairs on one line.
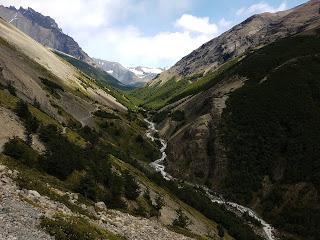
{"points": [[159, 166]]}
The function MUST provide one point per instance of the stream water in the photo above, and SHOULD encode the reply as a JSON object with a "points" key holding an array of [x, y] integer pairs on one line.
{"points": [[159, 166]]}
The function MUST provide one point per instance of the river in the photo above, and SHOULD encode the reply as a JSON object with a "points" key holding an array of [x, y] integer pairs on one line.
{"points": [[159, 166]]}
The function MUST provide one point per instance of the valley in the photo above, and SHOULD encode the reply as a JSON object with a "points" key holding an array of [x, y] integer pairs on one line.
{"points": [[224, 145]]}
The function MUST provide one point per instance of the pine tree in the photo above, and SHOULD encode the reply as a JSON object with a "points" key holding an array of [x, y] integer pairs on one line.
{"points": [[131, 188], [181, 220]]}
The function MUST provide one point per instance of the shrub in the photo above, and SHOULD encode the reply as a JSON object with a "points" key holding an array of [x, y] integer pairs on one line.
{"points": [[104, 114], [139, 139], [159, 203], [87, 187], [181, 220], [74, 228], [12, 90], [131, 187], [178, 116], [32, 124], [220, 231], [19, 150], [52, 86]]}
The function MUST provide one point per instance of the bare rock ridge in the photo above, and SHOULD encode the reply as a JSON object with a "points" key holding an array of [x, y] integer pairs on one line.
{"points": [[254, 32], [44, 30]]}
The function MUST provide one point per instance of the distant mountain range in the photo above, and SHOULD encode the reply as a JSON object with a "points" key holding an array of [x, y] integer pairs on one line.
{"points": [[135, 76]]}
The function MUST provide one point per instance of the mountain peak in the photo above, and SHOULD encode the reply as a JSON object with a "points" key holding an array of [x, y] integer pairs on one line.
{"points": [[44, 30]]}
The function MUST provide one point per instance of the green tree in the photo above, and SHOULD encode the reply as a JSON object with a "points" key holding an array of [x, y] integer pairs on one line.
{"points": [[131, 187], [87, 187], [181, 220], [220, 231], [159, 203]]}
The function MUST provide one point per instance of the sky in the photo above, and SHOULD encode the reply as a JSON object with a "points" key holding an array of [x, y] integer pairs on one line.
{"points": [[153, 33]]}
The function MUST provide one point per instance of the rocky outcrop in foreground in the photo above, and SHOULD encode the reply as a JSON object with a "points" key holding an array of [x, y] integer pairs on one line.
{"points": [[21, 211]]}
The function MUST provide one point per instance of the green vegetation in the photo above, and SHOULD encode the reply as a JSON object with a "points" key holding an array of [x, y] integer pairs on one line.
{"points": [[52, 86], [178, 116], [70, 228], [31, 122], [194, 198], [103, 114], [18, 149], [181, 220], [104, 80], [94, 73], [272, 123], [156, 97], [131, 187]]}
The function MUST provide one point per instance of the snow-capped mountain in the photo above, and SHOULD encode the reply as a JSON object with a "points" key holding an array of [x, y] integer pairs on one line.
{"points": [[135, 76]]}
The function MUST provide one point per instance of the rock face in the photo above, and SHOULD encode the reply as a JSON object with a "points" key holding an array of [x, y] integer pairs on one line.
{"points": [[44, 30], [195, 150], [256, 31]]}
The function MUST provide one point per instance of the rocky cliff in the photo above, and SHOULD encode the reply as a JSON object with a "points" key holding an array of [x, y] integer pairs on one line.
{"points": [[44, 30]]}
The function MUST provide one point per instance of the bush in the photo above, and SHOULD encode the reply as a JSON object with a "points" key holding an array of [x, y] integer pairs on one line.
{"points": [[52, 86], [131, 187], [74, 228], [159, 203], [12, 90], [181, 220], [22, 110], [19, 150], [87, 187], [139, 139], [178, 116], [220, 231], [104, 114]]}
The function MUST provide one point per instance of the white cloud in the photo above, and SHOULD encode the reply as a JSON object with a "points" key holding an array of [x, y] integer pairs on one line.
{"points": [[196, 24], [260, 8], [130, 46], [225, 24], [95, 26]]}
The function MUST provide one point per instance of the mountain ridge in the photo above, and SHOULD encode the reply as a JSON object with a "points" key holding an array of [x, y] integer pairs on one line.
{"points": [[255, 31], [44, 30]]}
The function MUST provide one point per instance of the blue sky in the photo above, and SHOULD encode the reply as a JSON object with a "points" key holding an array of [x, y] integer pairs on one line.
{"points": [[155, 33]]}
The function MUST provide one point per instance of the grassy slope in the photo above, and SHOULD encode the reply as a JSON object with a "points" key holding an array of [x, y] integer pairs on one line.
{"points": [[156, 97], [103, 80]]}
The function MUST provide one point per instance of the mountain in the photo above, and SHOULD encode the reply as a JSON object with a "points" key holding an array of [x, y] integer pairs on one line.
{"points": [[44, 30], [136, 76], [254, 32]]}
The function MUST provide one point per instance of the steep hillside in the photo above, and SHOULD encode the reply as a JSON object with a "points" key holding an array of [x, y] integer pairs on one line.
{"points": [[253, 134], [44, 30], [39, 75], [254, 32]]}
